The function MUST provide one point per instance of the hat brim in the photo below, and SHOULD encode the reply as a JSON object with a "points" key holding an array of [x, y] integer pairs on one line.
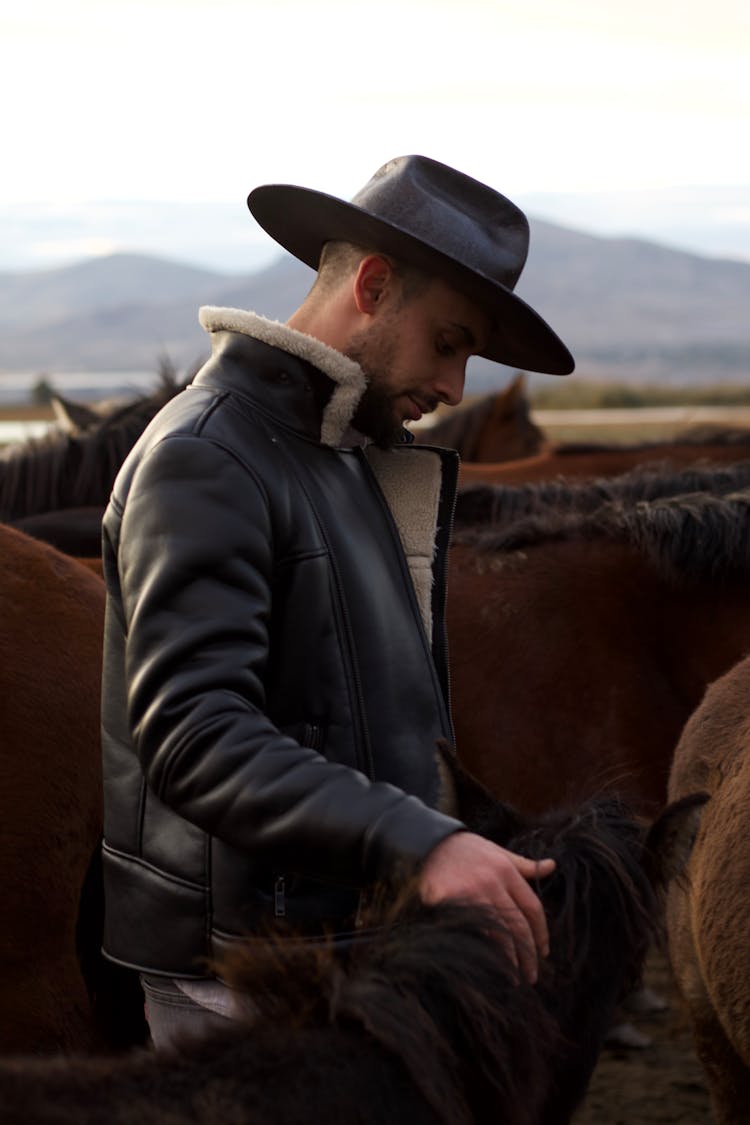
{"points": [[303, 220]]}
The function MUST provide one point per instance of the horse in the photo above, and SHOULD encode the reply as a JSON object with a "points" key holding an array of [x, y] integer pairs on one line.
{"points": [[74, 465], [495, 427], [708, 911], [567, 460], [425, 1020], [51, 612], [580, 643]]}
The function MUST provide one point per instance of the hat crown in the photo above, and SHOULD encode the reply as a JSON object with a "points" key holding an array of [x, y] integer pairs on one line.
{"points": [[472, 223]]}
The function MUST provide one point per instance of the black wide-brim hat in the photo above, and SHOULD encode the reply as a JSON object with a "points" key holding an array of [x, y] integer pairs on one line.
{"points": [[439, 220]]}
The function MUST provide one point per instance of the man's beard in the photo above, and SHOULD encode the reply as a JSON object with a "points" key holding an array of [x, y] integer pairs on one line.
{"points": [[375, 416]]}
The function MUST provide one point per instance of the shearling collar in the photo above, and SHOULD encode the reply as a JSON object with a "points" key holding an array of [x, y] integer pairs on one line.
{"points": [[344, 372]]}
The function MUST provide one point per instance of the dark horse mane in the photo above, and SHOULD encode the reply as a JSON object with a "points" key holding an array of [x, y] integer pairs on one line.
{"points": [[696, 536], [68, 470], [497, 504], [596, 842]]}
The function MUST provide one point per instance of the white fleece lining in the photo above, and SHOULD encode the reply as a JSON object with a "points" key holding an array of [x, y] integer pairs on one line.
{"points": [[411, 480], [345, 373]]}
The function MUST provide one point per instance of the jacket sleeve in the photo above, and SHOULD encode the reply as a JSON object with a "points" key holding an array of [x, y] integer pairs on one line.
{"points": [[195, 566]]}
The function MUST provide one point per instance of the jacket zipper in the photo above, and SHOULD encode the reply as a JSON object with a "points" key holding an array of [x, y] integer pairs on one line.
{"points": [[279, 897], [443, 623], [313, 736]]}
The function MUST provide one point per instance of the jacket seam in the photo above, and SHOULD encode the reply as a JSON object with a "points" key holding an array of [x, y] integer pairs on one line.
{"points": [[217, 444], [139, 861]]}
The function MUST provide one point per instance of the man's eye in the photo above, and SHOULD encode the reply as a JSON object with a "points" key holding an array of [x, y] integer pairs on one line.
{"points": [[443, 347]]}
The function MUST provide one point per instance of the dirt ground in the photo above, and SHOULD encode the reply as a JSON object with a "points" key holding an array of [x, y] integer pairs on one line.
{"points": [[661, 1083]]}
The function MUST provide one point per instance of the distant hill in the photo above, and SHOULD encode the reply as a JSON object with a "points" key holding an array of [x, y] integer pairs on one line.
{"points": [[628, 309]]}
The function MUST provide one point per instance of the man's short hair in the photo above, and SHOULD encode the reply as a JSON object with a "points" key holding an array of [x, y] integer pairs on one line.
{"points": [[339, 260]]}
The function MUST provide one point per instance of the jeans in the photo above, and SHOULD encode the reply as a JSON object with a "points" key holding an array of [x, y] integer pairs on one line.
{"points": [[171, 1015]]}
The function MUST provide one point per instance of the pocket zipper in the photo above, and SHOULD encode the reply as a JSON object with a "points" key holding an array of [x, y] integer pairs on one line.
{"points": [[279, 897]]}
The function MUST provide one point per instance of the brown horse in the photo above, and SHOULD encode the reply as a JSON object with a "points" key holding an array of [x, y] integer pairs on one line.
{"points": [[425, 1021], [708, 914], [578, 460], [581, 643], [495, 427], [51, 611]]}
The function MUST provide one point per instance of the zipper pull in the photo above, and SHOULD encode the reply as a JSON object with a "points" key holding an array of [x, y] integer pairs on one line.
{"points": [[279, 897]]}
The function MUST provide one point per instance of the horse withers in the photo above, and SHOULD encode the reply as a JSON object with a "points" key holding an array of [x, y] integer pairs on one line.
{"points": [[708, 912]]}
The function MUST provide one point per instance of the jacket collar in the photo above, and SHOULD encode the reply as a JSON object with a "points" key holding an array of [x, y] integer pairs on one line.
{"points": [[346, 375]]}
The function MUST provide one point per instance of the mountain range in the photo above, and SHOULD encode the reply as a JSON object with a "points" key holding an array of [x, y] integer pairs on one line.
{"points": [[627, 308]]}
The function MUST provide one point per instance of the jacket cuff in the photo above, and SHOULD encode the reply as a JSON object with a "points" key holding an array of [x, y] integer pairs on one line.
{"points": [[403, 836]]}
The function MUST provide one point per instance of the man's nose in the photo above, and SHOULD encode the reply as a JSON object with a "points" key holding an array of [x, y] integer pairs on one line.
{"points": [[449, 386]]}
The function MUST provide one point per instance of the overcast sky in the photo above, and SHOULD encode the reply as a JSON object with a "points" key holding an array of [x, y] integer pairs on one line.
{"points": [[197, 101]]}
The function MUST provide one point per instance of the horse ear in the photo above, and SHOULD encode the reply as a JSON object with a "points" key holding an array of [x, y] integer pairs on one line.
{"points": [[476, 806], [516, 389], [73, 417], [670, 838], [511, 400]]}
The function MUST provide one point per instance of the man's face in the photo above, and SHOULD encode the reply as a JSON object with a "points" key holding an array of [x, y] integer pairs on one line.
{"points": [[414, 355]]}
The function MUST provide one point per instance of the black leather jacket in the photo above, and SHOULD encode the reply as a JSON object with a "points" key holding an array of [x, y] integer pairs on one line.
{"points": [[271, 700]]}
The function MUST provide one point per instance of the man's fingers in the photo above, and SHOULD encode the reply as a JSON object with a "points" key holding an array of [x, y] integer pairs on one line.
{"points": [[528, 961], [517, 942], [470, 867], [533, 912], [532, 868]]}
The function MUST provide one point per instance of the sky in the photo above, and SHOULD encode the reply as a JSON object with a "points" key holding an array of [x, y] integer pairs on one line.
{"points": [[143, 125]]}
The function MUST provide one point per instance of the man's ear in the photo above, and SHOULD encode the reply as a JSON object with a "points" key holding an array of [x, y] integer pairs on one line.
{"points": [[374, 277]]}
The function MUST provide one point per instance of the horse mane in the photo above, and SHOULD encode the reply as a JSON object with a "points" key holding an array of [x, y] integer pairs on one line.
{"points": [[61, 469], [500, 504], [432, 986], [706, 433], [598, 845], [695, 536], [432, 975]]}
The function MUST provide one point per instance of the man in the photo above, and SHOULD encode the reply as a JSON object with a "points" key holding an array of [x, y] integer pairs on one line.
{"points": [[275, 675]]}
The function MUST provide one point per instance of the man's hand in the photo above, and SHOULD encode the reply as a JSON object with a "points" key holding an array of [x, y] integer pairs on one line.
{"points": [[466, 866]]}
